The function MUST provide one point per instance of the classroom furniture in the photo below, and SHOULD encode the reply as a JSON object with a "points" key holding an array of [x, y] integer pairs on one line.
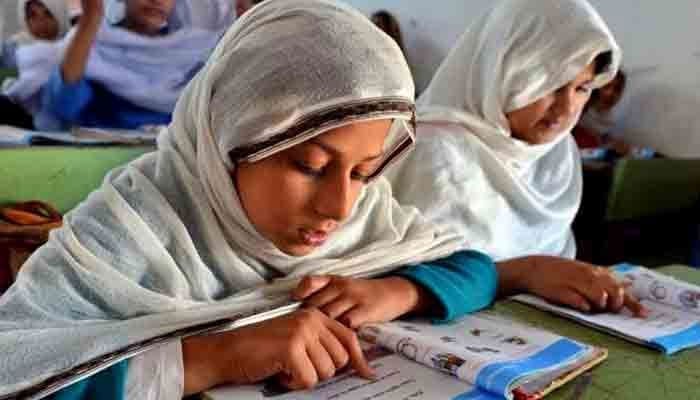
{"points": [[6, 73], [61, 176], [647, 188], [656, 199]]}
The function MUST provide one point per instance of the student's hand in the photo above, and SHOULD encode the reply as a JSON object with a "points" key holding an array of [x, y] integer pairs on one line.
{"points": [[93, 11], [355, 302], [581, 286], [300, 349]]}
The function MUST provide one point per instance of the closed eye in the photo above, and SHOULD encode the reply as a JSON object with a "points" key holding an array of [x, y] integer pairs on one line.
{"points": [[308, 170], [359, 177]]}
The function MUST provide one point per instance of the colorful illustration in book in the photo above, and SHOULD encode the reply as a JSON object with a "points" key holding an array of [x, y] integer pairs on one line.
{"points": [[408, 349], [689, 298], [481, 332], [658, 290], [448, 339], [515, 340], [482, 349], [447, 362]]}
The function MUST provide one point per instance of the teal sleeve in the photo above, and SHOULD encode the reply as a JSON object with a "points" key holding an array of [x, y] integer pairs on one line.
{"points": [[109, 384], [462, 283]]}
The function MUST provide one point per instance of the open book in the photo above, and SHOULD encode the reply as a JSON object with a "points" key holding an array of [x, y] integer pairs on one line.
{"points": [[674, 320], [481, 356]]}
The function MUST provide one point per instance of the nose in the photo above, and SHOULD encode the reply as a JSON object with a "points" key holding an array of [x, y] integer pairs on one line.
{"points": [[565, 104], [160, 3], [335, 198]]}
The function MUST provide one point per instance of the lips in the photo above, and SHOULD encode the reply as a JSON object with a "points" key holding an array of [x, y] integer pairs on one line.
{"points": [[312, 237], [551, 124], [154, 12]]}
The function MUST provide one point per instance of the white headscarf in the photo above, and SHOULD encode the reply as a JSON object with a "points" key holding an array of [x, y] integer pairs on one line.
{"points": [[58, 9], [165, 244], [503, 196]]}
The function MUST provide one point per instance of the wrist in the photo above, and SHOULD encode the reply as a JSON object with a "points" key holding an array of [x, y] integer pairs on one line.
{"points": [[90, 22], [529, 275], [203, 366], [416, 299], [518, 275]]}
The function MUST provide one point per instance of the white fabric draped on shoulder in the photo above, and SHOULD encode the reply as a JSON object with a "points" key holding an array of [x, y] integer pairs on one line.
{"points": [[165, 244], [504, 196]]}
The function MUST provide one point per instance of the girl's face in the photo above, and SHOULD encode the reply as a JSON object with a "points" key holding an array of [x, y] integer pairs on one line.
{"points": [[542, 121], [609, 95], [40, 22], [297, 198], [148, 17]]}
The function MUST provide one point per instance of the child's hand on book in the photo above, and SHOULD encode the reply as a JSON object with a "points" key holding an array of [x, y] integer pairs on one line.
{"points": [[582, 286], [355, 302], [299, 350]]}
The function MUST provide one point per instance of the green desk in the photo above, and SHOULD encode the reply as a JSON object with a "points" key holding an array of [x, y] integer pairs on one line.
{"points": [[631, 371], [62, 176]]}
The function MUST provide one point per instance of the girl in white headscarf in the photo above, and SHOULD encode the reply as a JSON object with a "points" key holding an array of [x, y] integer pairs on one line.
{"points": [[40, 21], [269, 172], [495, 161]]}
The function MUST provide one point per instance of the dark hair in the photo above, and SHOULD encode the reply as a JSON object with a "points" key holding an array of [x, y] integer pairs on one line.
{"points": [[603, 61], [390, 25], [602, 64]]}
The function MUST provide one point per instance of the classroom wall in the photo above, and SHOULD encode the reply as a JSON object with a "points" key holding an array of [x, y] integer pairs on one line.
{"points": [[650, 31], [8, 18]]}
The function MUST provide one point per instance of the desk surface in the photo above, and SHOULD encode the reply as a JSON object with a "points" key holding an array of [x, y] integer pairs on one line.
{"points": [[631, 371], [62, 176]]}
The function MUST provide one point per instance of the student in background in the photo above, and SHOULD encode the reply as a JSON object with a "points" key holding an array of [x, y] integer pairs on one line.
{"points": [[495, 161], [127, 74], [39, 21], [595, 130], [597, 120], [389, 25]]}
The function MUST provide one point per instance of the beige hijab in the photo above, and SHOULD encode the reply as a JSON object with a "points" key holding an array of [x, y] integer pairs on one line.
{"points": [[501, 195], [164, 244]]}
